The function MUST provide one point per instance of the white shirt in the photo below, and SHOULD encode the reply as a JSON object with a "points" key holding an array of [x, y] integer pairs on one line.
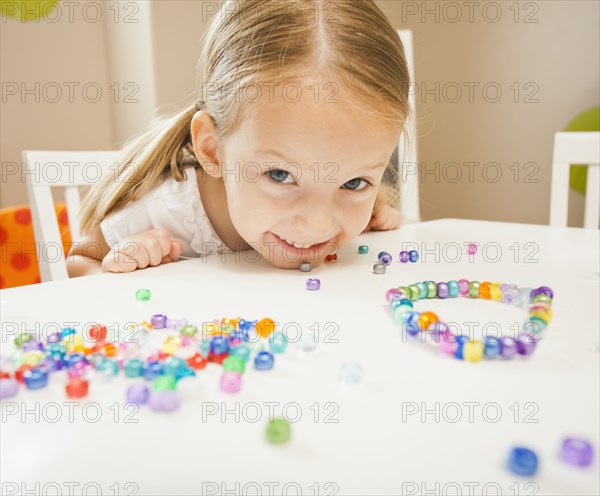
{"points": [[173, 206]]}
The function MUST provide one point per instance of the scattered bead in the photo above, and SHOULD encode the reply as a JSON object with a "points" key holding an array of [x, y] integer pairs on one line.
{"points": [[307, 341], [97, 332], [472, 249], [305, 267], [243, 351], [331, 258], [158, 321], [164, 383], [164, 401], [413, 255], [231, 381], [384, 258], [522, 461], [351, 373], [234, 364], [379, 268], [8, 388], [142, 295], [77, 388], [403, 256], [313, 284], [264, 360], [577, 452], [278, 342], [265, 327], [133, 367], [363, 249], [278, 431], [138, 394]]}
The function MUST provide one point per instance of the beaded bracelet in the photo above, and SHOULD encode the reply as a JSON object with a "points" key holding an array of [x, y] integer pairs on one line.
{"points": [[540, 313]]}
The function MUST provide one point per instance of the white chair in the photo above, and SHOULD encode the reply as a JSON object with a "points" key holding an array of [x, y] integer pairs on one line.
{"points": [[407, 158], [575, 148], [69, 170]]}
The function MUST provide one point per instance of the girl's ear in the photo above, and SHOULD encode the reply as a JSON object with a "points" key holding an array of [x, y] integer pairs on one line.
{"points": [[205, 143]]}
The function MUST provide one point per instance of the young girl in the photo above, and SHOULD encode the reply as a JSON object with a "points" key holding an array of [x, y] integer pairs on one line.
{"points": [[301, 107]]}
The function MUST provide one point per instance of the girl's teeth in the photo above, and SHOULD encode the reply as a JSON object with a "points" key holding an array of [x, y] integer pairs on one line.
{"points": [[296, 245]]}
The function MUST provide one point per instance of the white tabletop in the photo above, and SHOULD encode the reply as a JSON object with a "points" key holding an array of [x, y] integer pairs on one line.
{"points": [[418, 422]]}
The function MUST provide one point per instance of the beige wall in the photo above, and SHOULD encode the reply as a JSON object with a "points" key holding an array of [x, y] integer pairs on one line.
{"points": [[556, 58]]}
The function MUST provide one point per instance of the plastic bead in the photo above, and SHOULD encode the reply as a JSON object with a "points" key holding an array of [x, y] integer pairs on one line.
{"points": [[471, 249], [473, 351], [142, 295], [403, 257], [351, 373], [431, 289], [379, 268], [508, 347], [197, 362], [219, 345], [164, 401], [234, 364], [53, 337], [485, 290], [278, 342], [443, 290], [265, 327], [363, 249], [384, 258], [231, 381], [543, 290], [278, 431], [242, 351], [53, 363], [34, 358], [522, 461], [426, 319], [97, 332], [204, 348], [448, 343], [305, 267], [66, 332], [158, 321], [495, 292], [577, 452], [313, 284], [331, 258], [73, 358], [307, 342], [218, 359], [108, 367], [77, 370], [491, 346], [8, 388], [463, 284], [413, 255], [393, 294], [173, 365], [133, 367], [152, 370], [525, 343], [77, 388], [32, 346], [178, 324], [415, 292], [264, 360], [460, 344], [23, 338], [19, 373], [188, 330], [164, 383], [138, 394]]}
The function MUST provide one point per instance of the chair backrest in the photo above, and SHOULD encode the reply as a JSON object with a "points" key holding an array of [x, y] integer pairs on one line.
{"points": [[575, 148], [69, 170], [407, 155]]}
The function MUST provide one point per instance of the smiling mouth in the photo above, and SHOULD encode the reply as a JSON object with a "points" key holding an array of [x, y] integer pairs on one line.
{"points": [[300, 246]]}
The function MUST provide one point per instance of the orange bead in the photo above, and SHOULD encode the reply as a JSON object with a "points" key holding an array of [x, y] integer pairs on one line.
{"points": [[331, 258], [426, 319], [265, 327], [97, 332], [109, 349], [485, 290]]}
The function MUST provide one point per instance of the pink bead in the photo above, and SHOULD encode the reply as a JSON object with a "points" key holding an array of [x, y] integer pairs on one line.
{"points": [[392, 294], [77, 370], [231, 382], [464, 287], [472, 249], [448, 343]]}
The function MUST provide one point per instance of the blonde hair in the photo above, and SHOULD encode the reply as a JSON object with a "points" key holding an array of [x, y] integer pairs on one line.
{"points": [[253, 42]]}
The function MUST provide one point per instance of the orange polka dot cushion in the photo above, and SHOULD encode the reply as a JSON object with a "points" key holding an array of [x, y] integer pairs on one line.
{"points": [[18, 258]]}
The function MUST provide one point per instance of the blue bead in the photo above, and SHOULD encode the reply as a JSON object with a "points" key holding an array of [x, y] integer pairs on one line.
{"points": [[173, 365], [264, 360], [56, 349], [67, 331], [246, 325], [278, 342], [204, 348], [240, 350], [36, 378], [184, 372], [396, 303], [108, 366], [460, 342], [413, 255], [423, 290], [219, 345], [453, 288], [491, 346], [53, 363], [73, 358], [522, 461], [152, 370], [133, 367]]}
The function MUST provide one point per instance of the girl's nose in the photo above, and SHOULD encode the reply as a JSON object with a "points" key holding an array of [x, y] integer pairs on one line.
{"points": [[315, 218]]}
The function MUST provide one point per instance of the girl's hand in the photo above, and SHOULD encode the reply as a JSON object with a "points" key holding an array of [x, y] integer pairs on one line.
{"points": [[384, 218], [150, 248]]}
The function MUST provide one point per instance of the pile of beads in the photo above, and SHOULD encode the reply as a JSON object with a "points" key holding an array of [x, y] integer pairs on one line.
{"points": [[406, 256], [228, 342], [540, 314]]}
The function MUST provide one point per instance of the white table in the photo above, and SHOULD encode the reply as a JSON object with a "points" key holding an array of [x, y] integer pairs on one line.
{"points": [[418, 422]]}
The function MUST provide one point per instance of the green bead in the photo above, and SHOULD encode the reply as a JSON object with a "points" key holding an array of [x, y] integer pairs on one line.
{"points": [[142, 295], [414, 292], [278, 431], [23, 338], [173, 365], [234, 364], [240, 350], [474, 289], [58, 349], [431, 289], [363, 249], [453, 289], [542, 298], [188, 330], [405, 291], [535, 325], [400, 312], [164, 383]]}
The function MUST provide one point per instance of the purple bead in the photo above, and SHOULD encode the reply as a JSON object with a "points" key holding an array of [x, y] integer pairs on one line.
{"points": [[442, 290], [403, 256], [393, 294], [77, 370], [53, 337], [36, 378], [385, 258], [164, 401], [542, 290], [158, 321], [8, 388], [526, 343], [508, 347], [313, 284], [138, 393], [176, 324], [32, 346], [577, 452], [231, 382], [53, 363]]}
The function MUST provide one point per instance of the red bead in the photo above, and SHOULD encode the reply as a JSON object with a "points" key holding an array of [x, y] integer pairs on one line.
{"points": [[162, 356], [97, 332], [4, 375], [197, 361], [331, 258], [20, 371], [217, 358], [77, 388]]}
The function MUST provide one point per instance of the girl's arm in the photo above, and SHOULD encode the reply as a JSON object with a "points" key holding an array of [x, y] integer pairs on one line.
{"points": [[384, 218], [92, 255]]}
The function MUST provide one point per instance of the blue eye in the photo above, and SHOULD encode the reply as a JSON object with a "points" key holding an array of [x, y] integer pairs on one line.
{"points": [[356, 184], [280, 176]]}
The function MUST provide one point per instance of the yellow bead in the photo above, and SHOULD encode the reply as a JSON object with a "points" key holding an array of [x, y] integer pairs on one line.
{"points": [[495, 292], [265, 327], [171, 344], [33, 357], [426, 319], [540, 314], [210, 329], [473, 351], [229, 324], [74, 343]]}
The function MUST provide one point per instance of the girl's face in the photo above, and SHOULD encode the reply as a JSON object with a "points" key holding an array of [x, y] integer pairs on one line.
{"points": [[301, 177]]}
